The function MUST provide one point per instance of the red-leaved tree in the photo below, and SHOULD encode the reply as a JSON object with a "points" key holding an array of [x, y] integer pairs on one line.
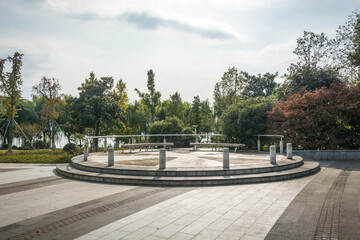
{"points": [[325, 119]]}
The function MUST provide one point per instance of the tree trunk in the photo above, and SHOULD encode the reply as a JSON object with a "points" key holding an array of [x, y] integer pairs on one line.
{"points": [[53, 147], [10, 142], [96, 140]]}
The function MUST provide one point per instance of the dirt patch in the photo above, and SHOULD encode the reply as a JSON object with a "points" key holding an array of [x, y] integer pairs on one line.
{"points": [[143, 162]]}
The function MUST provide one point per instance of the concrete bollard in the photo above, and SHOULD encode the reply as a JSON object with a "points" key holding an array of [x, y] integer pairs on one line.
{"points": [[226, 159], [281, 146], [273, 154], [111, 157], [162, 158], [86, 151], [289, 150]]}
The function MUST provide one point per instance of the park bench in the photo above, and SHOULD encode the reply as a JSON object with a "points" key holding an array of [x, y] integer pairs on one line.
{"points": [[195, 145], [146, 146]]}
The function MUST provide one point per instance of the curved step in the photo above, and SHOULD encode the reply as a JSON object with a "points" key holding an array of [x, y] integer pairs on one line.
{"points": [[282, 164], [307, 168]]}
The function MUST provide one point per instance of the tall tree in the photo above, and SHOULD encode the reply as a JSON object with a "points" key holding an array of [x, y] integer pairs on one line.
{"points": [[312, 71], [152, 98], [96, 105], [354, 56], [10, 83], [236, 85], [344, 46], [49, 89]]}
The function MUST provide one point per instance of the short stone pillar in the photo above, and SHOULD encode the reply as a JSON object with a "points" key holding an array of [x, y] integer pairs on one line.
{"points": [[226, 158], [111, 157], [273, 154], [289, 150], [258, 144], [281, 146], [162, 158], [105, 145], [86, 151]]}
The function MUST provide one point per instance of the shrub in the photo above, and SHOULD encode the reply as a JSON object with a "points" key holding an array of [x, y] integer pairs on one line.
{"points": [[38, 144], [69, 147]]}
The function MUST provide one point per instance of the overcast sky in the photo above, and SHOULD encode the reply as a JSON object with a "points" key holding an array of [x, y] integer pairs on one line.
{"points": [[188, 44]]}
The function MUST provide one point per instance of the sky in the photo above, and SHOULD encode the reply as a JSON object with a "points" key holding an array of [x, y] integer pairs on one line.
{"points": [[188, 44]]}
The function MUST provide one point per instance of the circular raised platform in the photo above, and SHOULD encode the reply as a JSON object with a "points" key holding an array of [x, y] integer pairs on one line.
{"points": [[186, 168]]}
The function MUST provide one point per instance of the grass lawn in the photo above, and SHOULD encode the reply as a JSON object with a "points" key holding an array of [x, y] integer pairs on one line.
{"points": [[32, 156]]}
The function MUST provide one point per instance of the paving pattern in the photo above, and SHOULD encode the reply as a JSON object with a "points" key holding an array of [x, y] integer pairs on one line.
{"points": [[37, 204]]}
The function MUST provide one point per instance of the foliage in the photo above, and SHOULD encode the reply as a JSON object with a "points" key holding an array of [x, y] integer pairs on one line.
{"points": [[96, 105], [38, 144], [241, 121], [69, 147], [236, 85], [308, 78], [138, 118], [354, 56], [152, 98], [49, 89], [41, 156], [325, 119], [167, 126], [10, 83]]}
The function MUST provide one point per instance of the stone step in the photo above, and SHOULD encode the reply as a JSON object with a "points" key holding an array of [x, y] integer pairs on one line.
{"points": [[307, 168], [282, 164]]}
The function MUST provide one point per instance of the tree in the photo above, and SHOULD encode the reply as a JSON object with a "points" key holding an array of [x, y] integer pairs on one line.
{"points": [[345, 47], [49, 89], [354, 56], [96, 104], [312, 49], [241, 121], [236, 85], [325, 119], [206, 117], [312, 71], [152, 98], [195, 115], [10, 83]]}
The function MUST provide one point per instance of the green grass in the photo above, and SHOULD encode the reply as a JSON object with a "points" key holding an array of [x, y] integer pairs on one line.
{"points": [[32, 156]]}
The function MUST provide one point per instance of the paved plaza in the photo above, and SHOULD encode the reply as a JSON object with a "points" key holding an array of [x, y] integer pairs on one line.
{"points": [[38, 204]]}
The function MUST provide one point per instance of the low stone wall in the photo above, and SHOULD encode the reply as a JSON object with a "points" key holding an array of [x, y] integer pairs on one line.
{"points": [[329, 155]]}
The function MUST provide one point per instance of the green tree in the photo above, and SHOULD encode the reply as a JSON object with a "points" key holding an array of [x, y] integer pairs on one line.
{"points": [[312, 71], [354, 56], [138, 118], [152, 98], [195, 115], [49, 89], [236, 85], [344, 49], [241, 121], [96, 104], [10, 83]]}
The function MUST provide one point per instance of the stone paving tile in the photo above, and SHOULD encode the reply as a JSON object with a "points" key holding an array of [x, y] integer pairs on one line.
{"points": [[232, 232], [168, 230], [258, 230], [140, 233], [182, 236], [207, 234], [251, 237], [245, 221], [195, 227], [232, 215], [115, 235], [134, 226], [187, 219], [220, 224]]}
